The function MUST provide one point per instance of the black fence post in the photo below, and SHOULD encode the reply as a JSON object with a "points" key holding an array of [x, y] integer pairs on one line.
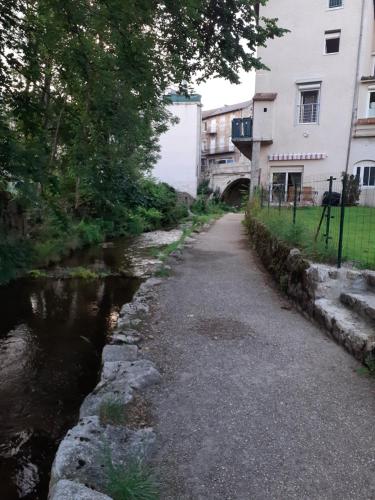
{"points": [[269, 198], [328, 214], [261, 197], [295, 204], [342, 220]]}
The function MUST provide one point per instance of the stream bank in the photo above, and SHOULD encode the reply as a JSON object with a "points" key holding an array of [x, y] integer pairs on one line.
{"points": [[52, 334]]}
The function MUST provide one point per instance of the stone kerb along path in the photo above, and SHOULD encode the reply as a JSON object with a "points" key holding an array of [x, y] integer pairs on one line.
{"points": [[80, 468]]}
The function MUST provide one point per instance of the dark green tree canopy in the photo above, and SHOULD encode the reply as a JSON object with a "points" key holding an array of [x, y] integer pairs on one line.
{"points": [[82, 85]]}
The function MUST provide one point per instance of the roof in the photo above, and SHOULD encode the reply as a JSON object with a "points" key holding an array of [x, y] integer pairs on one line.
{"points": [[226, 109]]}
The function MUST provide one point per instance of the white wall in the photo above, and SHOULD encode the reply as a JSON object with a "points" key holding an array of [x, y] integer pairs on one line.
{"points": [[179, 163]]}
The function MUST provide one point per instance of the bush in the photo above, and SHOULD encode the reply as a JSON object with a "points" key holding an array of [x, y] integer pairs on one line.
{"points": [[15, 258], [152, 218], [204, 206], [90, 232]]}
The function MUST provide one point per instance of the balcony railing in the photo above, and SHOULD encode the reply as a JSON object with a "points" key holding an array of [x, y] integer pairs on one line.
{"points": [[218, 149], [242, 128], [308, 113]]}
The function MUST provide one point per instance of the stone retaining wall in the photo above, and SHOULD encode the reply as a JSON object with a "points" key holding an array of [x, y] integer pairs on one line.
{"points": [[286, 264]]}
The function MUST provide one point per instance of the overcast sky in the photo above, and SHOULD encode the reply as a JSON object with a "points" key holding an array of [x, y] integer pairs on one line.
{"points": [[216, 93]]}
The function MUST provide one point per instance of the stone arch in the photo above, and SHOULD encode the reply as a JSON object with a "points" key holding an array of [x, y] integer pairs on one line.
{"points": [[235, 190]]}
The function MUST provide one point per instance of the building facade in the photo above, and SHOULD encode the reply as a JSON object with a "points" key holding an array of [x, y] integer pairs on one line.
{"points": [[180, 147], [227, 169], [317, 102]]}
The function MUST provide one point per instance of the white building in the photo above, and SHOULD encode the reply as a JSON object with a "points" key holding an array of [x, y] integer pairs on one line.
{"points": [[180, 153], [321, 72]]}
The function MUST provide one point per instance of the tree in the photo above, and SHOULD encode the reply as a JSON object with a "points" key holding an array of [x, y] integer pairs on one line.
{"points": [[82, 85]]}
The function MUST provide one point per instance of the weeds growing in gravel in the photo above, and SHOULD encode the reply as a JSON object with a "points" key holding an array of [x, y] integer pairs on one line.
{"points": [[134, 482], [112, 412]]}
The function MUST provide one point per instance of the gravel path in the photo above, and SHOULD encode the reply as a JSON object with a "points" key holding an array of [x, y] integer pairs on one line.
{"points": [[256, 402]]}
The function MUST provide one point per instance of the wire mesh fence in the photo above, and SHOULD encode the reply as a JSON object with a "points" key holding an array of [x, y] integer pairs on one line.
{"points": [[331, 219]]}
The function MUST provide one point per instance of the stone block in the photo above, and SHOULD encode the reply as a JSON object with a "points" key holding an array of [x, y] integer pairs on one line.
{"points": [[119, 353], [88, 448], [70, 490]]}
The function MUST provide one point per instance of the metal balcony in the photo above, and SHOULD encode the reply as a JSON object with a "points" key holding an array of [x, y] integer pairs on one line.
{"points": [[242, 134]]}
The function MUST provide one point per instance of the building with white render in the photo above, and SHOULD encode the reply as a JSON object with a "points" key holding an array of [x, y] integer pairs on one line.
{"points": [[322, 73], [180, 147]]}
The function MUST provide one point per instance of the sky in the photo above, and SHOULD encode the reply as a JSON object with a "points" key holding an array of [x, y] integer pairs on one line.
{"points": [[218, 92]]}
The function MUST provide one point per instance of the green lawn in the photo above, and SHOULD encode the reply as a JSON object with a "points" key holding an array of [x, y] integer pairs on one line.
{"points": [[359, 232]]}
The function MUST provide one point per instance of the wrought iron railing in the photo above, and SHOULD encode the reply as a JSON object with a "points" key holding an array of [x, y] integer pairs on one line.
{"points": [[308, 113]]}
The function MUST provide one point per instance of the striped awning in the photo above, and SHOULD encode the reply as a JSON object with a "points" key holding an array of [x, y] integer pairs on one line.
{"points": [[297, 156]]}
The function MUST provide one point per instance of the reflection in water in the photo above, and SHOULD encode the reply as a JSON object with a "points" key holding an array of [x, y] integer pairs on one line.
{"points": [[51, 336]]}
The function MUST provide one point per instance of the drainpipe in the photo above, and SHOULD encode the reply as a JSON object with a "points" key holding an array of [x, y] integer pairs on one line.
{"points": [[356, 89]]}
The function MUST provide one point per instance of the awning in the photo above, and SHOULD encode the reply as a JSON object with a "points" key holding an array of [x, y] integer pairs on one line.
{"points": [[297, 156]]}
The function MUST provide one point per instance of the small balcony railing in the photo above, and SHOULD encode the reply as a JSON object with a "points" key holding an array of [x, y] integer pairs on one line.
{"points": [[242, 128], [308, 113]]}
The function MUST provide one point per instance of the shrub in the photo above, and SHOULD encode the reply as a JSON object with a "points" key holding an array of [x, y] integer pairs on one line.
{"points": [[90, 232], [15, 257], [152, 218]]}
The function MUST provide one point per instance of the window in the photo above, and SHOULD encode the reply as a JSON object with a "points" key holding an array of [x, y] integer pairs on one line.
{"points": [[334, 4], [364, 172], [371, 104], [369, 176], [308, 108], [332, 41], [224, 161]]}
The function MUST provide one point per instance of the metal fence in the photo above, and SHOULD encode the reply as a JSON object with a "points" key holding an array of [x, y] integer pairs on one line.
{"points": [[331, 219]]}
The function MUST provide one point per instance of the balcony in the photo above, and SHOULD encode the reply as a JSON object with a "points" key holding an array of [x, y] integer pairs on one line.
{"points": [[215, 150], [242, 135], [365, 127]]}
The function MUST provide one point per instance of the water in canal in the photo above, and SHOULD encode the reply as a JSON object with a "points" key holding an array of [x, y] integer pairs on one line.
{"points": [[52, 332]]}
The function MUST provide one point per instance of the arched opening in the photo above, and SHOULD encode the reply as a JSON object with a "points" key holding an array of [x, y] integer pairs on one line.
{"points": [[234, 193]]}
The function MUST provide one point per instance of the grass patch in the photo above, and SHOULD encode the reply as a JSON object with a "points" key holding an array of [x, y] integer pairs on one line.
{"points": [[37, 274], [83, 273], [359, 232], [112, 413], [134, 482]]}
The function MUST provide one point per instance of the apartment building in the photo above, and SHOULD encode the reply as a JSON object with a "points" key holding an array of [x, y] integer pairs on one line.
{"points": [[317, 102], [222, 162], [180, 147]]}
